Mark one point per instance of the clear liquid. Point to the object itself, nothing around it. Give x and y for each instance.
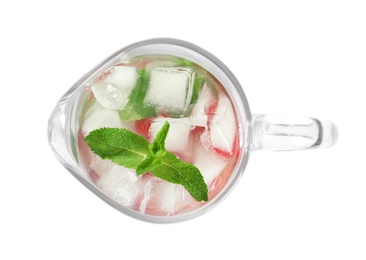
(204, 129)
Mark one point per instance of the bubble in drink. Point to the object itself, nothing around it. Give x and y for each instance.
(140, 95)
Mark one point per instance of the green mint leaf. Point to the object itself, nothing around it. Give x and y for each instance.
(133, 151)
(157, 150)
(176, 171)
(135, 108)
(147, 165)
(157, 147)
(196, 89)
(121, 146)
(184, 62)
(128, 113)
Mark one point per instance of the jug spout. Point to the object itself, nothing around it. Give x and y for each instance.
(60, 133)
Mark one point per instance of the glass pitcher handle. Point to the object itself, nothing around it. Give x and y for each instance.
(284, 133)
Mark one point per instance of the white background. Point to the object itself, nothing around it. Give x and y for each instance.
(292, 58)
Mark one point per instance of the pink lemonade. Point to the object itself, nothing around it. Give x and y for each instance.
(141, 95)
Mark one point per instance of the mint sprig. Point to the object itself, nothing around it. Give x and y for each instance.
(135, 108)
(133, 151)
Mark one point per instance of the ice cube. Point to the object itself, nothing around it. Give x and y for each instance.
(208, 162)
(97, 117)
(120, 184)
(201, 110)
(123, 77)
(101, 166)
(188, 202)
(171, 196)
(147, 188)
(170, 90)
(161, 197)
(163, 63)
(178, 138)
(222, 127)
(113, 91)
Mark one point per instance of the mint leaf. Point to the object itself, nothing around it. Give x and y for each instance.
(196, 89)
(133, 151)
(128, 113)
(121, 146)
(157, 148)
(148, 164)
(184, 62)
(176, 171)
(145, 165)
(135, 108)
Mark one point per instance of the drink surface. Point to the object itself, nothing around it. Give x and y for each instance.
(141, 95)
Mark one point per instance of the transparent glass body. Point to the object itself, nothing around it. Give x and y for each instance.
(255, 132)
